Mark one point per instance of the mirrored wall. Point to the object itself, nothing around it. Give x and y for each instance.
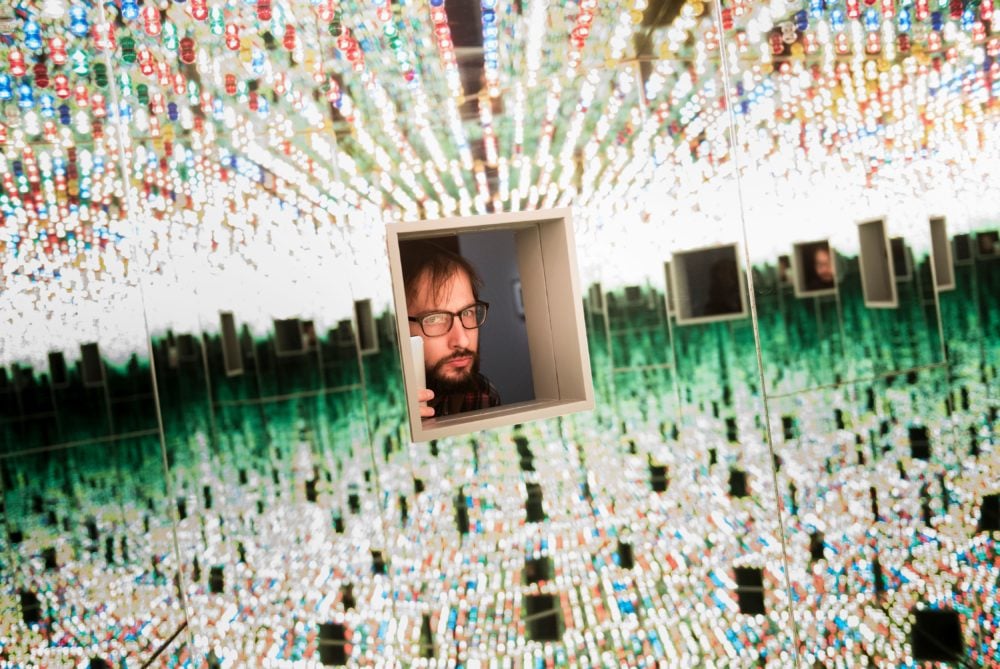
(786, 231)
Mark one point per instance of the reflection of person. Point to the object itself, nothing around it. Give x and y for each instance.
(784, 264)
(443, 307)
(309, 336)
(987, 243)
(818, 267)
(723, 289)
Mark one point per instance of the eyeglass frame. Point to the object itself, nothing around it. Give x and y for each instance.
(419, 318)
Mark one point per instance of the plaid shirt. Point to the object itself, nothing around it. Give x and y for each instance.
(485, 396)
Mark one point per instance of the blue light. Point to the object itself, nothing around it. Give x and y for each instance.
(903, 22)
(837, 19)
(78, 24)
(968, 18)
(130, 10)
(26, 97)
(801, 20)
(257, 62)
(873, 19)
(32, 35)
(46, 102)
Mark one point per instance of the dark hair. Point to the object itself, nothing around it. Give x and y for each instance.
(421, 257)
(811, 277)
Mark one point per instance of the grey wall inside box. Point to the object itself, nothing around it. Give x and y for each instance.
(694, 271)
(799, 261)
(668, 287)
(537, 316)
(503, 341)
(558, 269)
(876, 265)
(231, 355)
(944, 273)
(367, 336)
(901, 259)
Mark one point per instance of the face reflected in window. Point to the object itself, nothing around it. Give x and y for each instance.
(451, 355)
(817, 271)
(823, 265)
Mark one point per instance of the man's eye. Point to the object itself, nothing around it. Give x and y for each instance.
(468, 313)
(435, 319)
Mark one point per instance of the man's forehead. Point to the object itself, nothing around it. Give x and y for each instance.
(430, 295)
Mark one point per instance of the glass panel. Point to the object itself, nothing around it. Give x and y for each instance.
(87, 539)
(778, 471)
(843, 170)
(258, 370)
(526, 514)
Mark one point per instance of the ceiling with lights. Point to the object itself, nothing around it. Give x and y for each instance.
(204, 140)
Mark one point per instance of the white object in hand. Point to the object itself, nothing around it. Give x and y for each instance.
(417, 351)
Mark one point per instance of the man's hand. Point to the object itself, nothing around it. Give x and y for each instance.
(425, 395)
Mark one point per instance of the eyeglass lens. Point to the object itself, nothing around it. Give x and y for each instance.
(441, 322)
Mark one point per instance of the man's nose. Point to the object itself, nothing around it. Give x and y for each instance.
(459, 336)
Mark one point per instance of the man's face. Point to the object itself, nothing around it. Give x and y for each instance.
(823, 265)
(452, 359)
(986, 244)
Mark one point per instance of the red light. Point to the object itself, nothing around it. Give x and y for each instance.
(62, 85)
(41, 75)
(187, 50)
(57, 50)
(16, 60)
(97, 104)
(151, 20)
(727, 19)
(873, 45)
(843, 46)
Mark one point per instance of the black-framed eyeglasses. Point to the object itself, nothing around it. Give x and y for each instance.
(438, 323)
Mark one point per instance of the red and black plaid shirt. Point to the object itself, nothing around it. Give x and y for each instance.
(483, 397)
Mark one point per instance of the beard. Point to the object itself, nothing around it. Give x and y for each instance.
(464, 381)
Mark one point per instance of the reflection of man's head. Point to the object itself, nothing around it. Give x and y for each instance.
(987, 244)
(784, 263)
(442, 291)
(823, 265)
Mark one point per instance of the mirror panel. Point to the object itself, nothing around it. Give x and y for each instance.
(697, 432)
(204, 441)
(862, 398)
(88, 538)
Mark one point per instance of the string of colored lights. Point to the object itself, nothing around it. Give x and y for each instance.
(866, 83)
